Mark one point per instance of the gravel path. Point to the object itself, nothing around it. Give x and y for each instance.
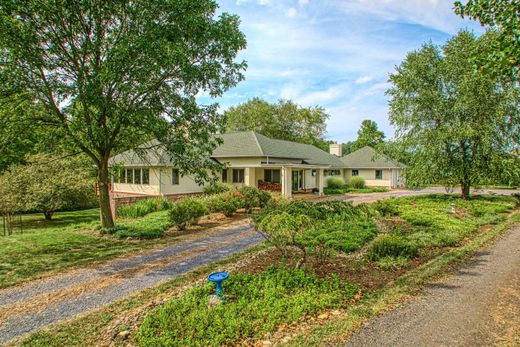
(478, 306)
(27, 308)
(396, 193)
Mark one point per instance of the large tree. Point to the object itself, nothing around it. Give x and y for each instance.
(113, 74)
(457, 124)
(368, 135)
(503, 16)
(284, 120)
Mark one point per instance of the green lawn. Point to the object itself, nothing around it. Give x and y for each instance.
(347, 190)
(71, 239)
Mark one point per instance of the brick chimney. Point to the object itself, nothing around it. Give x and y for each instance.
(336, 149)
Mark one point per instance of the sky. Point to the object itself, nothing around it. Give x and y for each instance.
(337, 54)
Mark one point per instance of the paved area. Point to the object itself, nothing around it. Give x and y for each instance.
(27, 308)
(478, 306)
(396, 193)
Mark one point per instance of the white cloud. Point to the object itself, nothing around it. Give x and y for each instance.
(303, 2)
(291, 12)
(378, 87)
(364, 79)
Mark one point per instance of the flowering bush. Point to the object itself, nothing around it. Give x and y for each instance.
(226, 203)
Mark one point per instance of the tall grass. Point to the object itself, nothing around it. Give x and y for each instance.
(144, 207)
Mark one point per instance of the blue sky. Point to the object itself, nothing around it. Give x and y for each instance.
(334, 53)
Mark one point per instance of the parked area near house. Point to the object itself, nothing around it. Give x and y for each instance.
(350, 253)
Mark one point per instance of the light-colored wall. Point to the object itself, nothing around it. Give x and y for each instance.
(186, 184)
(370, 177)
(144, 189)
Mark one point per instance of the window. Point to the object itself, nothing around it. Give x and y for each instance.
(238, 175)
(332, 172)
(313, 172)
(129, 176)
(272, 176)
(224, 176)
(137, 176)
(355, 172)
(145, 176)
(175, 176)
(379, 174)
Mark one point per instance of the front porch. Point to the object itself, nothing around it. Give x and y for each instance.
(288, 179)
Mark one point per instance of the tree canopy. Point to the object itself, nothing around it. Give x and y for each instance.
(457, 124)
(284, 120)
(504, 16)
(113, 74)
(368, 135)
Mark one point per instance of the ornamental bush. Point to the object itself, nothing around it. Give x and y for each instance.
(357, 182)
(186, 212)
(335, 183)
(254, 197)
(392, 246)
(226, 203)
(217, 188)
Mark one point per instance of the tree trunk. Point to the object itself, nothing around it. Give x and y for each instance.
(103, 180)
(48, 215)
(464, 186)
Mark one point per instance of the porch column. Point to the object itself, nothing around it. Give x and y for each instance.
(249, 177)
(286, 181)
(320, 174)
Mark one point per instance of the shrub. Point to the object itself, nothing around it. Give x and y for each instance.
(217, 188)
(226, 203)
(334, 191)
(150, 227)
(144, 207)
(357, 182)
(256, 304)
(254, 197)
(385, 207)
(392, 246)
(335, 182)
(186, 212)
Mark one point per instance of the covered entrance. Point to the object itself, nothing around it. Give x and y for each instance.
(297, 180)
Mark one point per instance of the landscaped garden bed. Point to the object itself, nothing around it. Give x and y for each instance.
(278, 288)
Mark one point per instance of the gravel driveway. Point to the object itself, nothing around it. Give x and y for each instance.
(27, 308)
(478, 306)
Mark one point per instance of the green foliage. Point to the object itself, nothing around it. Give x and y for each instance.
(503, 16)
(335, 182)
(217, 187)
(226, 203)
(368, 135)
(118, 87)
(151, 226)
(254, 197)
(320, 226)
(144, 207)
(392, 246)
(393, 263)
(256, 304)
(357, 182)
(462, 135)
(186, 212)
(284, 120)
(386, 207)
(46, 184)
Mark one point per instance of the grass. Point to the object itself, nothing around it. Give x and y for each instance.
(337, 330)
(144, 207)
(71, 240)
(442, 237)
(35, 221)
(256, 304)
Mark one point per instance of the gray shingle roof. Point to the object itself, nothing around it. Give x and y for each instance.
(368, 158)
(238, 144)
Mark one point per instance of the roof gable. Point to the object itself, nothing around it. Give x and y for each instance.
(368, 158)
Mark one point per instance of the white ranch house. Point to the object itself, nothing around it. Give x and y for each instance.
(252, 159)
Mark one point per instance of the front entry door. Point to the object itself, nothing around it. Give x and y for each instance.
(297, 180)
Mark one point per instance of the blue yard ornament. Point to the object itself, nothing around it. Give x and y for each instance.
(217, 278)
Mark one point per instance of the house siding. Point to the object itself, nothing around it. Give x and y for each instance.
(369, 176)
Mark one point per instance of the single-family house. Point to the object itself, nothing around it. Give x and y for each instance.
(249, 158)
(377, 169)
